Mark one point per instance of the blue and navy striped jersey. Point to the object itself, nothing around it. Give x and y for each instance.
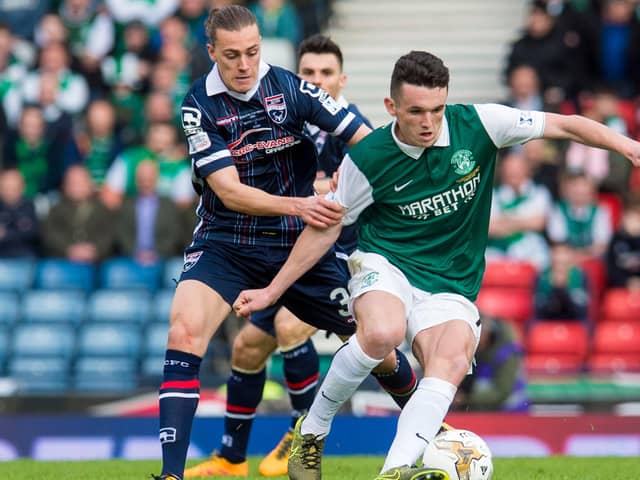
(261, 133)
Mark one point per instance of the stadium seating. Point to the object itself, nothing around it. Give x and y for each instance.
(616, 347)
(510, 274)
(43, 340)
(9, 308)
(119, 306)
(556, 347)
(596, 273)
(154, 345)
(172, 270)
(123, 272)
(59, 306)
(620, 304)
(4, 347)
(109, 340)
(40, 374)
(511, 304)
(58, 273)
(155, 339)
(104, 374)
(162, 305)
(549, 364)
(16, 273)
(151, 369)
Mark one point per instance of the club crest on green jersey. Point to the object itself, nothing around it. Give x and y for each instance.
(463, 161)
(370, 278)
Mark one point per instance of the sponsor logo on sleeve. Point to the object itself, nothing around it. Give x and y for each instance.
(191, 120)
(327, 102)
(525, 120)
(198, 142)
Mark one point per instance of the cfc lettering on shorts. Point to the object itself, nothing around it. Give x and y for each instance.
(442, 203)
(190, 259)
(167, 435)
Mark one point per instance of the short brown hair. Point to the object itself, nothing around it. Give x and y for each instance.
(320, 44)
(230, 17)
(421, 69)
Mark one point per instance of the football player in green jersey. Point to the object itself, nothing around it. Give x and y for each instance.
(420, 188)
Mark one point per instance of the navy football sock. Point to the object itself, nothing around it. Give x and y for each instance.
(244, 392)
(399, 383)
(179, 395)
(301, 374)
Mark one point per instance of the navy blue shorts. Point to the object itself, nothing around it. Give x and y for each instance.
(319, 297)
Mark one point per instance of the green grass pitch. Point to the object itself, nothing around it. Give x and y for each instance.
(335, 468)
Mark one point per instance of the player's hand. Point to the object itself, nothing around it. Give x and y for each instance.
(319, 212)
(252, 301)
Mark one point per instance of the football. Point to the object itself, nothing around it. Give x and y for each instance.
(460, 453)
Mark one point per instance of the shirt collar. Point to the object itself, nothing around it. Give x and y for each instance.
(215, 85)
(416, 152)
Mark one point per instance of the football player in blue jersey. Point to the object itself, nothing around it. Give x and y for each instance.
(321, 63)
(254, 169)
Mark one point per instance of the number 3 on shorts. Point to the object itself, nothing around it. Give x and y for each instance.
(342, 296)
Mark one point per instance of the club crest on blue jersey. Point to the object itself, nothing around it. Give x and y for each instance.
(276, 107)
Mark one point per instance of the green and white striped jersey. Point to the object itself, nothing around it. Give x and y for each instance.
(427, 210)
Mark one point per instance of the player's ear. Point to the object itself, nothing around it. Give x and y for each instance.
(390, 105)
(342, 81)
(211, 51)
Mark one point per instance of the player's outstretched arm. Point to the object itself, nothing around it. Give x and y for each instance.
(316, 211)
(583, 130)
(311, 245)
(360, 133)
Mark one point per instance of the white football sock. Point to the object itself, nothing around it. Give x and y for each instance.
(349, 367)
(420, 421)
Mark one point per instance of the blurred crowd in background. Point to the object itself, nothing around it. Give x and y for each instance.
(93, 163)
(89, 125)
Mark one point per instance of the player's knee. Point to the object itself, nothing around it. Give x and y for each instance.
(378, 342)
(247, 355)
(452, 366)
(290, 334)
(240, 347)
(184, 333)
